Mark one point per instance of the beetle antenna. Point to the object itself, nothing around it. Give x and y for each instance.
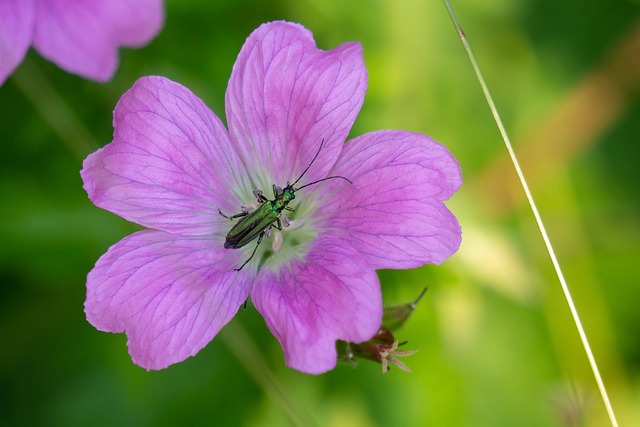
(312, 160)
(324, 179)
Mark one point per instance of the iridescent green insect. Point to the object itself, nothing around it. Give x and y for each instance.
(257, 224)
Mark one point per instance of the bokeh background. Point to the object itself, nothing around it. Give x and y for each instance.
(497, 343)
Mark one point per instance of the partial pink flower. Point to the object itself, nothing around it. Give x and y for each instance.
(80, 36)
(172, 166)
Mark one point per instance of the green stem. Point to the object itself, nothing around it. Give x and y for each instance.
(536, 214)
(250, 357)
(54, 109)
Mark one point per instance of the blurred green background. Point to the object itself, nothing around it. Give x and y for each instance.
(497, 343)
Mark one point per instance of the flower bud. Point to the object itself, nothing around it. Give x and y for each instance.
(383, 347)
(394, 317)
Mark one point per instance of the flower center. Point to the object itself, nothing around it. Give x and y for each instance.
(279, 247)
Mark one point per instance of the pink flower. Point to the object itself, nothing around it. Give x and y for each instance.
(80, 36)
(172, 165)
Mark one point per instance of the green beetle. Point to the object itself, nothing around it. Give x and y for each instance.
(257, 224)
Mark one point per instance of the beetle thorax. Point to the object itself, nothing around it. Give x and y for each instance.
(284, 198)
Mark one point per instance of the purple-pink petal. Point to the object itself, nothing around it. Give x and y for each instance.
(286, 96)
(309, 304)
(83, 36)
(170, 166)
(16, 30)
(393, 213)
(134, 22)
(171, 295)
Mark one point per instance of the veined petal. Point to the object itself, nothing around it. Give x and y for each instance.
(170, 295)
(393, 213)
(333, 294)
(83, 36)
(16, 32)
(384, 148)
(170, 166)
(286, 96)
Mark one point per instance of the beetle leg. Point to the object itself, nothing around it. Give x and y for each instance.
(240, 215)
(252, 253)
(289, 209)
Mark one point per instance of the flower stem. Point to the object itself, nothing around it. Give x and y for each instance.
(54, 109)
(249, 356)
(536, 214)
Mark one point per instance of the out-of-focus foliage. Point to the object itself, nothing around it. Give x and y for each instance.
(497, 344)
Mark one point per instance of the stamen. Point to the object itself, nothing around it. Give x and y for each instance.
(277, 240)
(294, 224)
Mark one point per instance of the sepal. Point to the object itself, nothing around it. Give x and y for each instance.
(383, 347)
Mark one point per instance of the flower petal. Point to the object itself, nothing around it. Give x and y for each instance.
(170, 165)
(333, 294)
(285, 97)
(83, 36)
(394, 212)
(135, 22)
(171, 295)
(16, 30)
